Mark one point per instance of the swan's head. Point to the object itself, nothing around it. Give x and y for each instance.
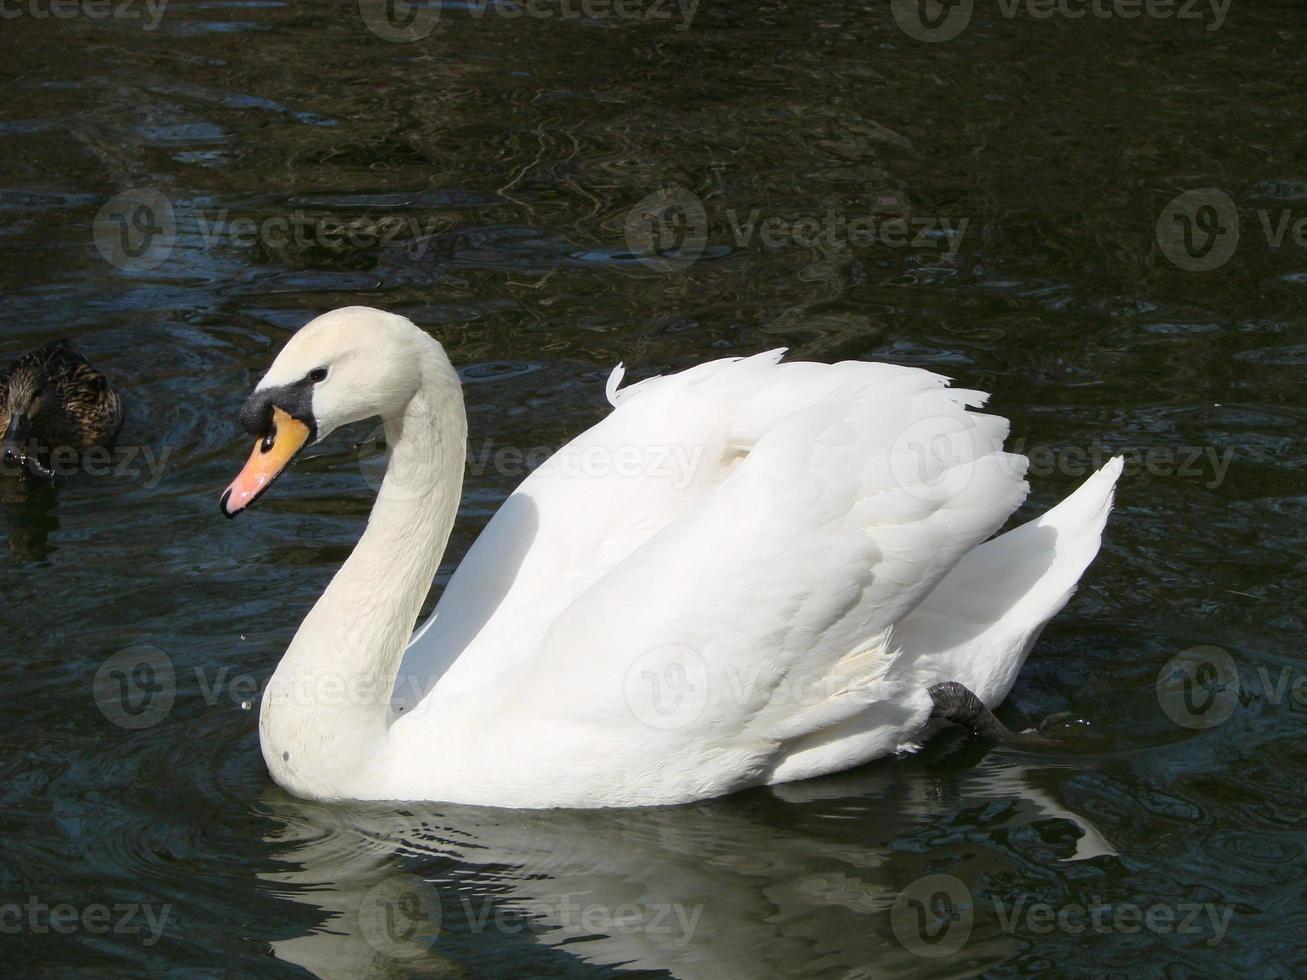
(345, 366)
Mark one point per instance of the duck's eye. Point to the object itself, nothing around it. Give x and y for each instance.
(318, 374)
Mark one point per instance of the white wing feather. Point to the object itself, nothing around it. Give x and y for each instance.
(778, 524)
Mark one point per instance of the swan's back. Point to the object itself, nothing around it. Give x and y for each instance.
(741, 539)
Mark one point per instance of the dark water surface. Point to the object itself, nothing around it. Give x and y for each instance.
(492, 172)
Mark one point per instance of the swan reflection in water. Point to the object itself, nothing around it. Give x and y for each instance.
(781, 882)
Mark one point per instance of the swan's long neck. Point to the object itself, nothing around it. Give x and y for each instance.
(324, 718)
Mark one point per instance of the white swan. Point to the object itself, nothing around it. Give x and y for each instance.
(748, 573)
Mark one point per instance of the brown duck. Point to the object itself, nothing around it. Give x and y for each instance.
(52, 400)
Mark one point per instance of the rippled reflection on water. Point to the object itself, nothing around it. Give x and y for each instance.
(489, 171)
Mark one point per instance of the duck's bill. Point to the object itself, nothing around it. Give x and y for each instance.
(14, 441)
(271, 455)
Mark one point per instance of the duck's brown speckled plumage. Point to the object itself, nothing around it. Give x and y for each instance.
(70, 403)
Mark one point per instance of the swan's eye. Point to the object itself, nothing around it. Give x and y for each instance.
(318, 374)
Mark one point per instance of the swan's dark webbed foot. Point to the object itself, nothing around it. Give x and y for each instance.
(957, 703)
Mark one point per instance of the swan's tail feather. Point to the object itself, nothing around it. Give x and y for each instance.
(975, 627)
(979, 623)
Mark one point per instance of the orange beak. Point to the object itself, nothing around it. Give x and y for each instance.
(271, 455)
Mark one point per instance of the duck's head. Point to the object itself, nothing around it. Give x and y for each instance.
(345, 366)
(27, 398)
